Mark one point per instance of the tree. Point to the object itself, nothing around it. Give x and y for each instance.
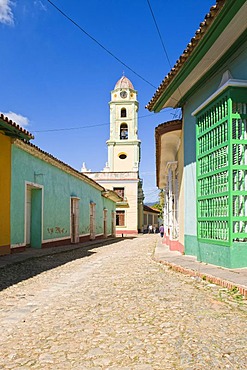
(160, 206)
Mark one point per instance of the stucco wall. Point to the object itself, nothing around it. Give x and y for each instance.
(58, 187)
(131, 211)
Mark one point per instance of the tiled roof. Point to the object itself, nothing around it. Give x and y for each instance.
(150, 209)
(124, 82)
(13, 127)
(204, 26)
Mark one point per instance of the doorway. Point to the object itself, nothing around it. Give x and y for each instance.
(105, 223)
(74, 213)
(92, 221)
(33, 216)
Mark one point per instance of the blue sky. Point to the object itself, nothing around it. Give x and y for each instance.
(54, 77)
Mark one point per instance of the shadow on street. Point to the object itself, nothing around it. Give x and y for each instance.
(17, 272)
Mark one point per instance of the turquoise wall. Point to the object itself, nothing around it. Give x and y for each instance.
(234, 256)
(58, 188)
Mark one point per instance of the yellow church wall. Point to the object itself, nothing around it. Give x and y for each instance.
(123, 164)
(5, 168)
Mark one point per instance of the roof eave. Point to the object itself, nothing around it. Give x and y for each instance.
(112, 195)
(169, 93)
(12, 129)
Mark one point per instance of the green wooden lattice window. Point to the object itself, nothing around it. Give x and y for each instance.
(222, 168)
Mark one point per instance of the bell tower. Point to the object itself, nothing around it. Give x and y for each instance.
(121, 173)
(123, 144)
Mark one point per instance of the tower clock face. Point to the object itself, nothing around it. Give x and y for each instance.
(123, 94)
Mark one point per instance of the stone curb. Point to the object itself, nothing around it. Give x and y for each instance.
(212, 279)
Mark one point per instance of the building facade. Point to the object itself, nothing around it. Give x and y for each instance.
(209, 83)
(150, 217)
(8, 132)
(121, 172)
(169, 178)
(45, 202)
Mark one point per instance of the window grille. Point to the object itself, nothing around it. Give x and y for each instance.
(123, 131)
(119, 191)
(222, 169)
(120, 218)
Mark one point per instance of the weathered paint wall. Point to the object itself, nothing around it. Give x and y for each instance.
(57, 189)
(5, 178)
(236, 64)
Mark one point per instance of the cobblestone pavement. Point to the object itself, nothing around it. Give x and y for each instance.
(115, 308)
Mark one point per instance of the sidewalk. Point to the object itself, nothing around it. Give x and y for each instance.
(228, 278)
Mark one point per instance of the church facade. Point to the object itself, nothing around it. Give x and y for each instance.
(121, 172)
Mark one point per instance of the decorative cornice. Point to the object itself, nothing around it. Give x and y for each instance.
(229, 83)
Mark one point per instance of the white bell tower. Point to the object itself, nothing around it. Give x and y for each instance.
(123, 145)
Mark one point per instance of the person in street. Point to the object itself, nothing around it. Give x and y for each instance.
(154, 229)
(150, 229)
(161, 230)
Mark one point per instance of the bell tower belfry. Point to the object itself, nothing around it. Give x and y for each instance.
(121, 173)
(123, 144)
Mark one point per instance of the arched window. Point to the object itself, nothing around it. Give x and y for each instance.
(123, 112)
(123, 131)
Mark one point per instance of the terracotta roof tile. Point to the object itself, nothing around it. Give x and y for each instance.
(199, 34)
(18, 129)
(150, 209)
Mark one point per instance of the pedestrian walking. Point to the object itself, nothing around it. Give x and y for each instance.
(161, 230)
(150, 229)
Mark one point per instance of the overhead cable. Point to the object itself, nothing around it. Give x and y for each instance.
(83, 127)
(163, 45)
(98, 43)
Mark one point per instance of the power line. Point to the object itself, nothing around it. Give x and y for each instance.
(163, 45)
(98, 43)
(72, 128)
(83, 127)
(164, 48)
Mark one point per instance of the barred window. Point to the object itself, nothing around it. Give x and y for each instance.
(120, 218)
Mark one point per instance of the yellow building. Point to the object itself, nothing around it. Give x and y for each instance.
(8, 132)
(121, 172)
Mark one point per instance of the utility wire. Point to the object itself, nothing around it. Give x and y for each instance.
(82, 127)
(72, 128)
(99, 44)
(163, 45)
(157, 28)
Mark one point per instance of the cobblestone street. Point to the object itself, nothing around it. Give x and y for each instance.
(115, 308)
